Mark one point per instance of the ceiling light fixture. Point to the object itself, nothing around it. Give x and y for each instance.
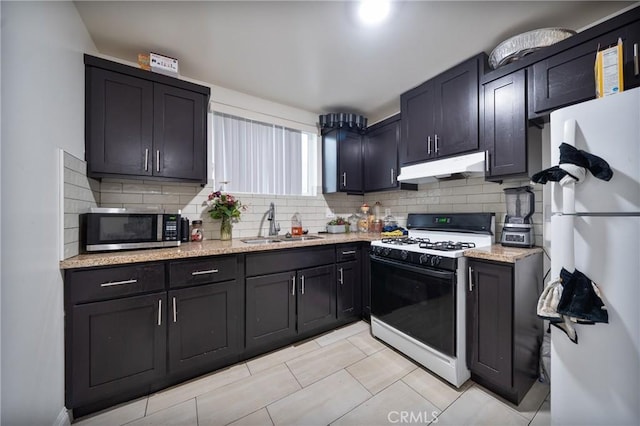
(373, 11)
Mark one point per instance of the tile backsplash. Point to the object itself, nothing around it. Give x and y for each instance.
(80, 194)
(457, 196)
(191, 200)
(463, 195)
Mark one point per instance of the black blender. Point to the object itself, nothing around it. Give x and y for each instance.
(518, 226)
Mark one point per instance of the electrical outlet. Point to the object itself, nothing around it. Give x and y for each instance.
(330, 214)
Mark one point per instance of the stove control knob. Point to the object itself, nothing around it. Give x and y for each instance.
(424, 258)
(435, 260)
(377, 250)
(386, 251)
(404, 254)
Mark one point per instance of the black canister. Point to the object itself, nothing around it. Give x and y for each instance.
(185, 235)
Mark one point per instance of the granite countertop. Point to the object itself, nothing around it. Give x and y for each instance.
(205, 248)
(501, 253)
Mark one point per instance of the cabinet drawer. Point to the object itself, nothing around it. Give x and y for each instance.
(202, 271)
(85, 285)
(287, 260)
(347, 252)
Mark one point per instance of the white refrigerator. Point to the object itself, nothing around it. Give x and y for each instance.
(595, 228)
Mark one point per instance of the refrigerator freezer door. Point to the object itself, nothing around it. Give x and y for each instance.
(597, 381)
(609, 128)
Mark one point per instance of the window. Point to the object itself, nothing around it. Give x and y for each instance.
(263, 158)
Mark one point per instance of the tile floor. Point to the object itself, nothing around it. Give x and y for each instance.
(344, 377)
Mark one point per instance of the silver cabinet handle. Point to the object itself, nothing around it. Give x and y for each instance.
(157, 160)
(175, 312)
(146, 160)
(392, 177)
(344, 253)
(344, 179)
(429, 145)
(341, 279)
(302, 281)
(470, 278)
(487, 165)
(293, 285)
(112, 283)
(209, 271)
(436, 144)
(160, 312)
(636, 67)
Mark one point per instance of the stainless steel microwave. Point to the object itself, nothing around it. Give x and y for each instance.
(105, 229)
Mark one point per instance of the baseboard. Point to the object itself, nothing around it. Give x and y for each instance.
(63, 418)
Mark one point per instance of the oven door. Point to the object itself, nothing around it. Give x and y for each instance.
(418, 301)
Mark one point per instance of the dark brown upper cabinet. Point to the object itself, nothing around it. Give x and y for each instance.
(342, 161)
(440, 117)
(512, 146)
(568, 77)
(381, 155)
(139, 124)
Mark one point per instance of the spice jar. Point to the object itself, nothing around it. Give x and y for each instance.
(196, 231)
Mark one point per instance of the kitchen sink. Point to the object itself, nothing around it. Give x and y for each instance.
(282, 239)
(261, 241)
(302, 238)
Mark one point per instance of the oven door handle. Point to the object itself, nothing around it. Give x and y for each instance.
(416, 269)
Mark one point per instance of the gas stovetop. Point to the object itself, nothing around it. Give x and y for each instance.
(433, 238)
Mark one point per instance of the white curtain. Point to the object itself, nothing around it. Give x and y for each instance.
(262, 158)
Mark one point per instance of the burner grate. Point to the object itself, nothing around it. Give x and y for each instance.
(447, 245)
(405, 241)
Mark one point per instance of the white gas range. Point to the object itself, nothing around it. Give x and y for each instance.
(418, 286)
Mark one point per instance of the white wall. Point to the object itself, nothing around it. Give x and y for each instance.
(42, 111)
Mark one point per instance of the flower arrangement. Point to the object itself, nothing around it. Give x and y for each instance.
(224, 206)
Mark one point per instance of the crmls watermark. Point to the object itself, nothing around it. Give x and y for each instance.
(412, 417)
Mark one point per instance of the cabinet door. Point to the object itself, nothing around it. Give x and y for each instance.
(504, 125)
(316, 297)
(350, 162)
(490, 322)
(202, 325)
(366, 281)
(568, 77)
(179, 133)
(381, 157)
(270, 308)
(632, 56)
(117, 346)
(349, 289)
(456, 114)
(119, 123)
(416, 139)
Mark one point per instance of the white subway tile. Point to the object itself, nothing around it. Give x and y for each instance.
(110, 187)
(114, 198)
(156, 199)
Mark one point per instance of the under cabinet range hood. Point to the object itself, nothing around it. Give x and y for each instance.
(448, 168)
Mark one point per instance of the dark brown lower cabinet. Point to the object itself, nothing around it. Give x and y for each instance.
(349, 295)
(316, 298)
(366, 282)
(117, 346)
(271, 309)
(202, 325)
(503, 332)
(281, 306)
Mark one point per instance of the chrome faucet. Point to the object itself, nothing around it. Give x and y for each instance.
(271, 217)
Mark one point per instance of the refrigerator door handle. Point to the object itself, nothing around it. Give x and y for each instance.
(569, 189)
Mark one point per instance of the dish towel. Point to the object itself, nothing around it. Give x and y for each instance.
(572, 298)
(573, 167)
